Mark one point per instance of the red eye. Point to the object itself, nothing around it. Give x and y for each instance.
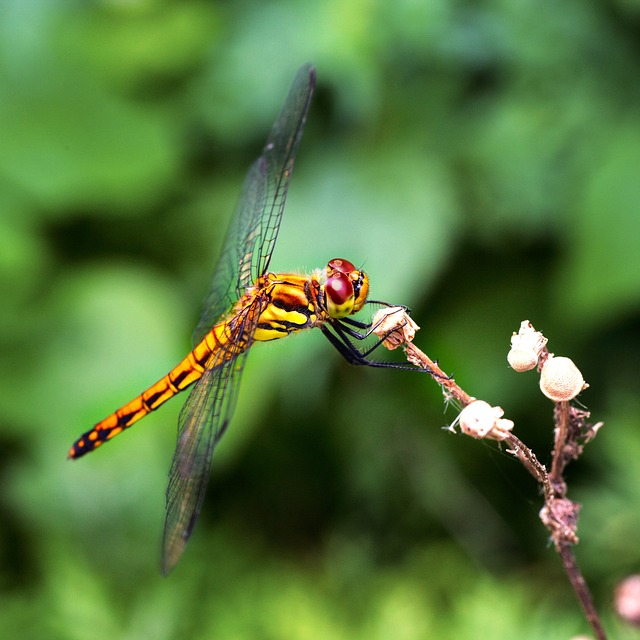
(339, 288)
(341, 265)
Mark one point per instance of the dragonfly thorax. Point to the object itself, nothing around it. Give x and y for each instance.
(346, 288)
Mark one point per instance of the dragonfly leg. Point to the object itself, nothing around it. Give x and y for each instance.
(340, 340)
(369, 328)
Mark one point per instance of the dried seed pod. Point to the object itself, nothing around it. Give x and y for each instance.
(526, 347)
(395, 326)
(480, 420)
(560, 379)
(522, 359)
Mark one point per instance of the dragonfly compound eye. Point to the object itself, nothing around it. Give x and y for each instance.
(341, 265)
(339, 295)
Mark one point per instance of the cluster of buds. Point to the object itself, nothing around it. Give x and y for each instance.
(560, 379)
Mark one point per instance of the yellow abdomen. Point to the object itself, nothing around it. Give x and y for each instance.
(285, 303)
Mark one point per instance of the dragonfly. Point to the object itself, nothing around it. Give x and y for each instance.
(246, 304)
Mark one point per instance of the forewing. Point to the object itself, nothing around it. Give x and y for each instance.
(279, 155)
(254, 227)
(203, 420)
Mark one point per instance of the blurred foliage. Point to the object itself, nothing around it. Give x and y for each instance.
(480, 158)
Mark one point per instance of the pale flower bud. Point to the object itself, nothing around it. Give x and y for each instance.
(560, 379)
(526, 347)
(480, 420)
(522, 360)
(627, 600)
(394, 325)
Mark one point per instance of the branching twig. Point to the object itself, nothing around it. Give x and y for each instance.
(560, 381)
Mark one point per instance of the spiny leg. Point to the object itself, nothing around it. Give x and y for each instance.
(341, 328)
(353, 355)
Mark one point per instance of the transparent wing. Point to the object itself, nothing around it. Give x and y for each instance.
(246, 253)
(254, 227)
(203, 420)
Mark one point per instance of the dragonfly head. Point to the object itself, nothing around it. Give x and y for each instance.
(346, 288)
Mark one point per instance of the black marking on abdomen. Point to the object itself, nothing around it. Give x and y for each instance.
(177, 381)
(151, 400)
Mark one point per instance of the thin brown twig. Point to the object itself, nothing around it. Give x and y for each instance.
(559, 461)
(581, 589)
(530, 462)
(559, 514)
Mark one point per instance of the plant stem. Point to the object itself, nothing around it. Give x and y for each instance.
(558, 514)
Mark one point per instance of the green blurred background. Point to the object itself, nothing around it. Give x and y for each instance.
(481, 159)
